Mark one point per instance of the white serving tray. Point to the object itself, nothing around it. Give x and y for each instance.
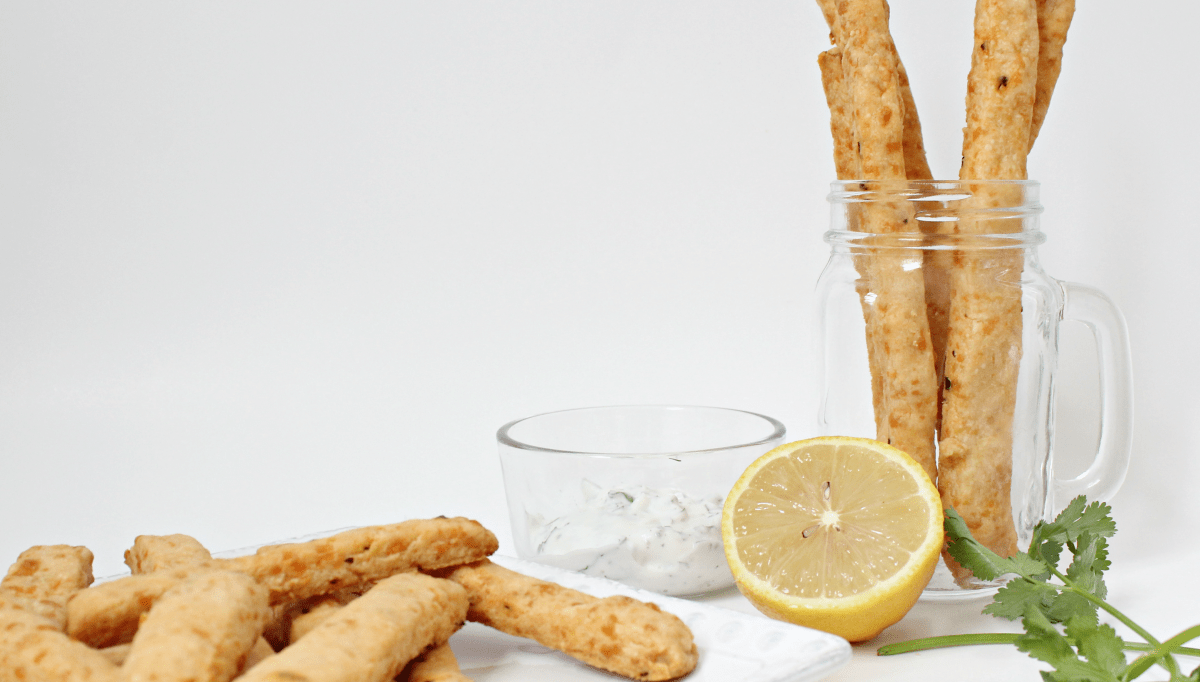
(734, 646)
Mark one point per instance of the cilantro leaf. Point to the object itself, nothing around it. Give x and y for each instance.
(1080, 518)
(1069, 605)
(1099, 644)
(1086, 571)
(983, 562)
(1044, 642)
(1047, 543)
(1014, 599)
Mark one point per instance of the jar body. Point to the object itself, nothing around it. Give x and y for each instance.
(937, 331)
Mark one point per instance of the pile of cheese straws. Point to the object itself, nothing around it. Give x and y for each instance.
(366, 605)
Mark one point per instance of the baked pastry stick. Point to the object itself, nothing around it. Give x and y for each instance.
(44, 578)
(372, 638)
(151, 553)
(299, 618)
(209, 622)
(617, 634)
(1054, 18)
(936, 267)
(436, 665)
(108, 614)
(33, 648)
(916, 167)
(846, 165)
(983, 348)
(898, 325)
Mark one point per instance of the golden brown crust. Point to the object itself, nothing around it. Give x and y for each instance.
(983, 344)
(291, 621)
(900, 351)
(1054, 18)
(845, 161)
(203, 628)
(151, 553)
(116, 653)
(983, 355)
(436, 665)
(841, 125)
(372, 638)
(260, 652)
(899, 420)
(869, 67)
(44, 578)
(52, 611)
(617, 634)
(1001, 88)
(108, 614)
(909, 378)
(298, 571)
(33, 649)
(310, 613)
(916, 164)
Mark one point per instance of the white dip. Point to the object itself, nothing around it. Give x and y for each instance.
(658, 540)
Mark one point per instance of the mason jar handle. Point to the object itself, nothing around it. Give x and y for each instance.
(1104, 477)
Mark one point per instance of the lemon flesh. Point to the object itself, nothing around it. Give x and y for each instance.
(838, 534)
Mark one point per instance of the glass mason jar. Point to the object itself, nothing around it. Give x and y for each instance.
(937, 332)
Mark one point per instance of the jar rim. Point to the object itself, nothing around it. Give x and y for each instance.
(1020, 195)
(936, 214)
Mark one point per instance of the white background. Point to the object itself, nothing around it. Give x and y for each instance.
(270, 268)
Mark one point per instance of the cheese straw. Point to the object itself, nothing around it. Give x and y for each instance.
(372, 638)
(936, 264)
(617, 634)
(209, 622)
(436, 665)
(108, 614)
(845, 162)
(34, 648)
(1054, 18)
(916, 165)
(44, 578)
(151, 553)
(983, 346)
(898, 340)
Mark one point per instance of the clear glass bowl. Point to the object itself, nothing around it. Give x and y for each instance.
(630, 493)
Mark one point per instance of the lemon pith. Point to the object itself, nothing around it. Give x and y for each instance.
(840, 534)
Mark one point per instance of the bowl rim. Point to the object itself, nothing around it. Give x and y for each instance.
(778, 431)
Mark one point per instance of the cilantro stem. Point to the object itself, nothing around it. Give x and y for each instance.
(946, 641)
(1164, 650)
(1185, 636)
(1165, 659)
(1183, 650)
(1116, 614)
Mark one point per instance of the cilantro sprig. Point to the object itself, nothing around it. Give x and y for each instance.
(1060, 610)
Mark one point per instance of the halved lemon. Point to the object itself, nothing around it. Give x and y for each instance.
(836, 534)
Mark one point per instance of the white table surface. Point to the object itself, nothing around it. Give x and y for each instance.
(270, 268)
